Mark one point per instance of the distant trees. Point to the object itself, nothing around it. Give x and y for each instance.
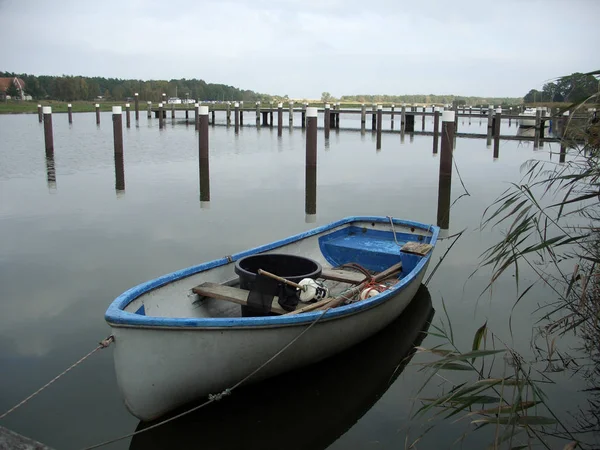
(71, 88)
(326, 96)
(431, 98)
(572, 88)
(13, 91)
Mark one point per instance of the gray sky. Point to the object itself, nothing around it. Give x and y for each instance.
(304, 47)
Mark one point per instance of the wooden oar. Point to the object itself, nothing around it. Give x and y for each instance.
(283, 280)
(332, 302)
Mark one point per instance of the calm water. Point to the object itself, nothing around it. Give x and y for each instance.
(71, 242)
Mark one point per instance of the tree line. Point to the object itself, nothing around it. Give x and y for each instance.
(432, 98)
(71, 88)
(571, 88)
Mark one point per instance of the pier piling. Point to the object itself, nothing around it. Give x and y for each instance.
(149, 110)
(48, 133)
(127, 115)
(40, 114)
(379, 122)
(236, 117)
(97, 114)
(70, 112)
(374, 117)
(203, 156)
(445, 176)
(137, 106)
(363, 118)
(327, 120)
(279, 119)
(436, 125)
(117, 129)
(497, 123)
(160, 116)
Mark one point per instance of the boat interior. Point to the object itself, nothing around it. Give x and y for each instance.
(356, 260)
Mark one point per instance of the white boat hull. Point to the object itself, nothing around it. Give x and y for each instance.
(158, 370)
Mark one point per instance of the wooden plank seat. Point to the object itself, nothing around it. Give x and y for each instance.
(232, 294)
(345, 276)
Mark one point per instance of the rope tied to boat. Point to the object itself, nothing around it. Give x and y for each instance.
(219, 396)
(101, 345)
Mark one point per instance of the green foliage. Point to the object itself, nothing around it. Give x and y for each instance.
(431, 98)
(72, 88)
(13, 91)
(571, 88)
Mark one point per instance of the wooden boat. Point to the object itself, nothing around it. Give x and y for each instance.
(184, 335)
(324, 399)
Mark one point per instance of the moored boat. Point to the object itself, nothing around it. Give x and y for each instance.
(184, 335)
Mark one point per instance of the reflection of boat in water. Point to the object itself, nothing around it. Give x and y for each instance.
(526, 132)
(306, 408)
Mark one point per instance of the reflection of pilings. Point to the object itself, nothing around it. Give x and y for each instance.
(563, 151)
(279, 119)
(445, 177)
(51, 172)
(379, 122)
(310, 206)
(203, 155)
(119, 172)
(48, 133)
(497, 122)
(436, 126)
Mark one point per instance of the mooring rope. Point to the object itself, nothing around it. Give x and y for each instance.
(103, 344)
(213, 397)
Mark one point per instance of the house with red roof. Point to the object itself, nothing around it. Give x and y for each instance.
(5, 83)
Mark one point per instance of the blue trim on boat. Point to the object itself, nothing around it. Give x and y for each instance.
(141, 310)
(115, 314)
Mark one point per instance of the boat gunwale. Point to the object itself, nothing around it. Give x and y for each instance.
(116, 315)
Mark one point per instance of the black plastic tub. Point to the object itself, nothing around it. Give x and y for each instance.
(291, 267)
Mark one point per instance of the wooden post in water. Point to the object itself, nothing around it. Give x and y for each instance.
(423, 120)
(497, 120)
(161, 119)
(149, 110)
(228, 114)
(509, 116)
(241, 114)
(70, 112)
(127, 115)
(40, 114)
(118, 129)
(48, 136)
(538, 117)
(236, 117)
(392, 118)
(303, 120)
(137, 106)
(203, 156)
(279, 119)
(490, 116)
(379, 123)
(291, 114)
(445, 177)
(257, 114)
(456, 120)
(374, 117)
(436, 125)
(271, 114)
(172, 111)
(403, 117)
(310, 206)
(563, 150)
(363, 118)
(196, 117)
(97, 114)
(326, 120)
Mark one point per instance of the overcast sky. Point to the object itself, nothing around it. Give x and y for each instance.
(304, 47)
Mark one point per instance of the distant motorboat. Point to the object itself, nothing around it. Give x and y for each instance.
(527, 117)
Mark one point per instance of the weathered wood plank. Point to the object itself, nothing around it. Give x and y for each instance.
(345, 276)
(231, 294)
(417, 248)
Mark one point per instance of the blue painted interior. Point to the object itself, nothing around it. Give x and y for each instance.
(141, 310)
(116, 314)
